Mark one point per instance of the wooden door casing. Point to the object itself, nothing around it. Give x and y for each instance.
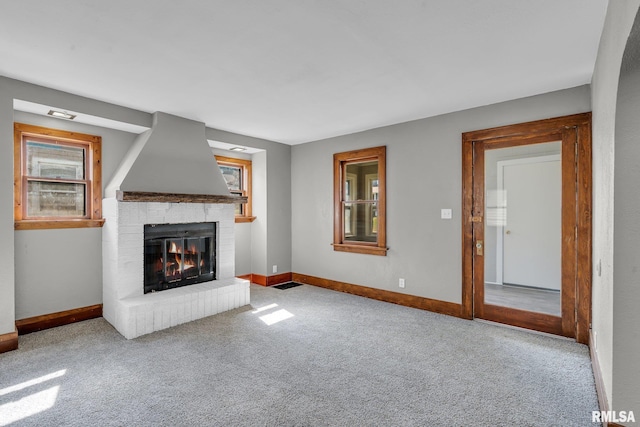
(575, 133)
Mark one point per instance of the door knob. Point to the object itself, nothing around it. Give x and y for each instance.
(479, 247)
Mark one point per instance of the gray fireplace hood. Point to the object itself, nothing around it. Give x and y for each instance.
(171, 157)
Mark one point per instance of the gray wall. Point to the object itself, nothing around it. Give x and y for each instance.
(279, 209)
(424, 168)
(260, 211)
(7, 268)
(243, 248)
(604, 89)
(58, 270)
(626, 266)
(271, 231)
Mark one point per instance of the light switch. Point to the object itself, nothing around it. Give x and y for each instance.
(445, 213)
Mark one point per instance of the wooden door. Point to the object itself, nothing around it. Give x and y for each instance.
(486, 215)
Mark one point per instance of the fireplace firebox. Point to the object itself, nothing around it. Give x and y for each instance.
(178, 255)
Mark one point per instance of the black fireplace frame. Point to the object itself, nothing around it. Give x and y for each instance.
(158, 234)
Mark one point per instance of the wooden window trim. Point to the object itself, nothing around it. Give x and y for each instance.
(245, 165)
(93, 164)
(339, 161)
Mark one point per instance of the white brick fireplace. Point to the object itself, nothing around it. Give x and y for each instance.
(168, 176)
(125, 305)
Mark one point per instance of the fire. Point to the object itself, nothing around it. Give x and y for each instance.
(189, 261)
(174, 248)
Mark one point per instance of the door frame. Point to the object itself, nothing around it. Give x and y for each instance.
(575, 133)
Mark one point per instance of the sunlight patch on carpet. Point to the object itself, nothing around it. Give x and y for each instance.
(32, 382)
(276, 316)
(28, 406)
(17, 409)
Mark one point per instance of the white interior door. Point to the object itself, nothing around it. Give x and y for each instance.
(531, 234)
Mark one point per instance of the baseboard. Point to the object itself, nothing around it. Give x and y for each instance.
(279, 278)
(436, 306)
(261, 280)
(245, 277)
(9, 342)
(597, 375)
(46, 321)
(258, 279)
(603, 401)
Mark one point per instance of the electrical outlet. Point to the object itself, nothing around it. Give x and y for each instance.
(445, 213)
(275, 269)
(401, 283)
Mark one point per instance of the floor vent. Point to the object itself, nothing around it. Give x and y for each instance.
(287, 285)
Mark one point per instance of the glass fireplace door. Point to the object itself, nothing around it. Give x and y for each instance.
(178, 255)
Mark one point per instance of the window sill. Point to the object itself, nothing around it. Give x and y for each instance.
(360, 249)
(36, 224)
(245, 219)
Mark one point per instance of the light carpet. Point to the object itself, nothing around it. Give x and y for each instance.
(305, 356)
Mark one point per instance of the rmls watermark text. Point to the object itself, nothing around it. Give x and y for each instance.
(613, 417)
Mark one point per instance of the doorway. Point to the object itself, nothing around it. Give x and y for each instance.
(527, 225)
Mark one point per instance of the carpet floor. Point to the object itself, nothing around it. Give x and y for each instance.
(306, 356)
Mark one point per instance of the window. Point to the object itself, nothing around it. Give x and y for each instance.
(359, 217)
(237, 174)
(57, 178)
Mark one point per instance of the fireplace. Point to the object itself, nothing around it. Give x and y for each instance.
(138, 231)
(162, 233)
(178, 255)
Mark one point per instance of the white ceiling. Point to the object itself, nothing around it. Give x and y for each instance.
(301, 70)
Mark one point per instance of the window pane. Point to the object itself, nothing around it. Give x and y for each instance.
(361, 222)
(54, 161)
(46, 199)
(233, 176)
(360, 180)
(239, 206)
(359, 201)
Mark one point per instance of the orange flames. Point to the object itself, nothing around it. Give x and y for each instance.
(190, 257)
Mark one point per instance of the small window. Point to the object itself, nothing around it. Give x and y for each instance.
(360, 201)
(57, 178)
(237, 174)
